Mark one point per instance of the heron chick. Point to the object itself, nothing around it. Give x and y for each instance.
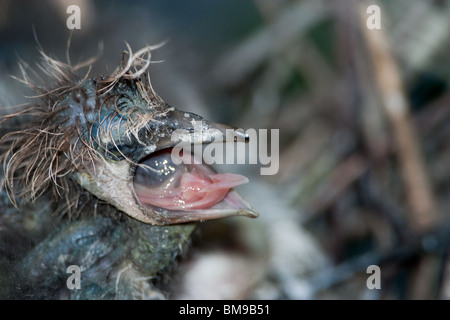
(88, 179)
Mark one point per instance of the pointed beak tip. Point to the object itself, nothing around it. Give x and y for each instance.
(250, 213)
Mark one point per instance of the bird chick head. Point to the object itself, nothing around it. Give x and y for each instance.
(112, 137)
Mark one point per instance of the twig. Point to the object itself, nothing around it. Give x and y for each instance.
(422, 214)
(293, 20)
(343, 176)
(387, 76)
(435, 241)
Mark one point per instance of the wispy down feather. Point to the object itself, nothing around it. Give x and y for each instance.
(57, 133)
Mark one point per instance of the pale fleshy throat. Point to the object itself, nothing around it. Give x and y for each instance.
(159, 182)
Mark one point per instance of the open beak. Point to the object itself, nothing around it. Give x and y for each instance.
(175, 187)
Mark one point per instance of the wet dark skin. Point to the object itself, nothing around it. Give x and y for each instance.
(120, 257)
(68, 195)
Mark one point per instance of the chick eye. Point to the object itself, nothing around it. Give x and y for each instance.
(158, 169)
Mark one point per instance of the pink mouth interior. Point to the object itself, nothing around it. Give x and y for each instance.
(189, 187)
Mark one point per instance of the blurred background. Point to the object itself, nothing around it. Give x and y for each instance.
(364, 132)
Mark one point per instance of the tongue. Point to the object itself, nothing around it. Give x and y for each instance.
(193, 192)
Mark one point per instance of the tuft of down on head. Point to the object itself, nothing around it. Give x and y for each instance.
(62, 133)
